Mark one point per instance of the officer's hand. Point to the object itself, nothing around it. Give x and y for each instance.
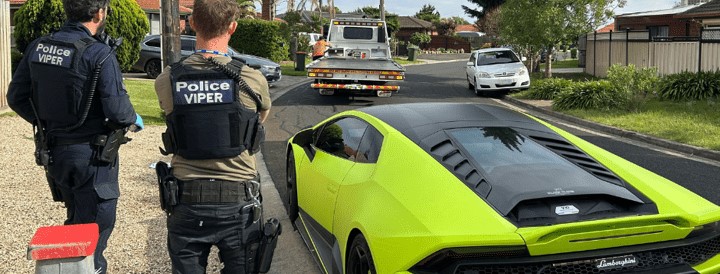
(139, 125)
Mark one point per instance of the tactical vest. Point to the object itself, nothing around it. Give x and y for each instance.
(208, 120)
(58, 86)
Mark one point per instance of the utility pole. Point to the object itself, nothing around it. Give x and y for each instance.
(382, 10)
(170, 20)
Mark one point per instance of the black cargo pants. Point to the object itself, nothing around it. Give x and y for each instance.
(194, 228)
(89, 190)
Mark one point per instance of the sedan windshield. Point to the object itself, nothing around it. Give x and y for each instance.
(496, 57)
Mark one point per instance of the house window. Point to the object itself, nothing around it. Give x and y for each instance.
(662, 31)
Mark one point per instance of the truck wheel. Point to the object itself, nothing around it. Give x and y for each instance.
(326, 92)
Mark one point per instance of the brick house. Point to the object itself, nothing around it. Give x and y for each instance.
(707, 15)
(660, 23)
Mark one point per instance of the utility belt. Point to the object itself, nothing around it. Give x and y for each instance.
(260, 245)
(107, 146)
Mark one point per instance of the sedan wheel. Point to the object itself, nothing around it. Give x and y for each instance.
(359, 260)
(475, 88)
(293, 208)
(153, 68)
(470, 84)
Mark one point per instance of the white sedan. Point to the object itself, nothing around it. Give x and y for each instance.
(495, 70)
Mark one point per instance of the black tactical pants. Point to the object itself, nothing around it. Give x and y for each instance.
(89, 191)
(194, 228)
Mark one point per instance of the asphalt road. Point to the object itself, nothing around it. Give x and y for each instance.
(301, 107)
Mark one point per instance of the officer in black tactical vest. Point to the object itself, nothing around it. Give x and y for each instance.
(69, 86)
(214, 108)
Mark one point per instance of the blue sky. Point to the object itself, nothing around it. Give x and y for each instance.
(449, 8)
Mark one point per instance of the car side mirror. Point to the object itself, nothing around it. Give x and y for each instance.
(304, 139)
(523, 59)
(469, 64)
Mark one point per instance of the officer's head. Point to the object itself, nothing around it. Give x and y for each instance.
(214, 18)
(86, 10)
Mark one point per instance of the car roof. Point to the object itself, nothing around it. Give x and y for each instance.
(419, 120)
(491, 50)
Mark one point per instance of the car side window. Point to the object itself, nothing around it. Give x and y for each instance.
(153, 43)
(370, 146)
(472, 58)
(342, 137)
(188, 45)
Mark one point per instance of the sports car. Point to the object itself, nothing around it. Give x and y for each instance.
(475, 188)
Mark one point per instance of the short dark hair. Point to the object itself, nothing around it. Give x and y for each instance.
(83, 10)
(212, 17)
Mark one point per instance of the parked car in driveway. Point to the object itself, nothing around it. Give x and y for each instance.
(495, 70)
(149, 61)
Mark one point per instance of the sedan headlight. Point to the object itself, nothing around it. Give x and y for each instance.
(483, 75)
(522, 71)
(267, 69)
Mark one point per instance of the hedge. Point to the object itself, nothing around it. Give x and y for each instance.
(261, 38)
(40, 17)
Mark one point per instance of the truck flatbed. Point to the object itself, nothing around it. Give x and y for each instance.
(353, 64)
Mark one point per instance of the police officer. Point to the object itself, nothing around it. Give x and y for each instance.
(53, 89)
(214, 106)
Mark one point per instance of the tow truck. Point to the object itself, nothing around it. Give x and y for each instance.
(358, 60)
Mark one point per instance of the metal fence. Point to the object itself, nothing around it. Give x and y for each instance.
(669, 54)
(4, 51)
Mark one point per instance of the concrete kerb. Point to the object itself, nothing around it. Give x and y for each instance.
(679, 147)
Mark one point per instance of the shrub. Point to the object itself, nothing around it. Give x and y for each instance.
(634, 83)
(547, 89)
(589, 95)
(690, 86)
(40, 17)
(420, 38)
(15, 57)
(261, 38)
(573, 53)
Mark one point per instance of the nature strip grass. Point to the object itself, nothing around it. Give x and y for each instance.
(696, 123)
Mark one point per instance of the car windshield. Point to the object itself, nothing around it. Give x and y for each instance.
(496, 57)
(502, 151)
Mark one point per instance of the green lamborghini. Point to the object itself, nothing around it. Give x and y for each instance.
(474, 188)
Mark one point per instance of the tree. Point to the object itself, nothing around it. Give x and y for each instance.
(460, 21)
(247, 9)
(485, 7)
(536, 25)
(445, 26)
(428, 13)
(487, 15)
(393, 24)
(326, 8)
(41, 17)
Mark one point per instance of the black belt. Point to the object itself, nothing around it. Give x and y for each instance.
(205, 191)
(69, 141)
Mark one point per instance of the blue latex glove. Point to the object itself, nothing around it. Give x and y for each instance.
(139, 125)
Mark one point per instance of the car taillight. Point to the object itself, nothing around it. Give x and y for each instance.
(445, 257)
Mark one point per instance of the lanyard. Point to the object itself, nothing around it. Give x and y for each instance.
(211, 52)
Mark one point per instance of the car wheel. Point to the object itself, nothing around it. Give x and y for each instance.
(470, 85)
(359, 260)
(293, 208)
(477, 91)
(153, 68)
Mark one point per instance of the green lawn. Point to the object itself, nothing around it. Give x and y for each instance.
(404, 61)
(143, 98)
(695, 123)
(570, 63)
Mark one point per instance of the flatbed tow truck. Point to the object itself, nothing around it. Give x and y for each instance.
(358, 61)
